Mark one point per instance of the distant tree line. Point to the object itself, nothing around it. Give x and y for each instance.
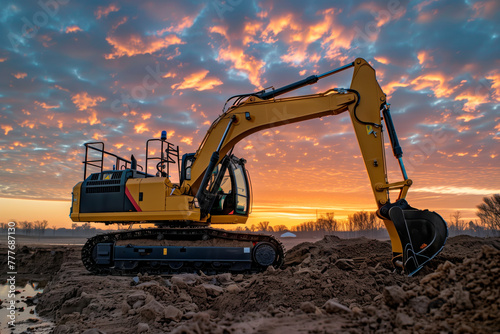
(488, 214)
(40, 228)
(37, 227)
(358, 221)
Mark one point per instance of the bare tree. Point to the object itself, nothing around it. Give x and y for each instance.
(363, 220)
(489, 211)
(280, 228)
(264, 226)
(43, 225)
(29, 227)
(456, 216)
(475, 227)
(327, 223)
(40, 226)
(455, 222)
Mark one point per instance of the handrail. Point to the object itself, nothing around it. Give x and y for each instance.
(101, 160)
(171, 151)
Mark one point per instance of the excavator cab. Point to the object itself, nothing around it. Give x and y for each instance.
(228, 191)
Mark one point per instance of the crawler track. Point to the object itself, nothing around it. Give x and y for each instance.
(191, 236)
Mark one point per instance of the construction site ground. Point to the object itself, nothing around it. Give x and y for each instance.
(332, 285)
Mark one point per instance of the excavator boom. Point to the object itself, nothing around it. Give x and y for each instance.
(213, 186)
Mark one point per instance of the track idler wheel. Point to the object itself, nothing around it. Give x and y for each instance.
(422, 234)
(264, 254)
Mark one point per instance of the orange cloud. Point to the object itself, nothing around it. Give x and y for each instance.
(277, 25)
(20, 75)
(16, 143)
(198, 81)
(456, 190)
(2, 60)
(97, 136)
(382, 60)
(73, 28)
(475, 97)
(250, 31)
(219, 30)
(135, 44)
(315, 32)
(485, 8)
(83, 100)
(169, 75)
(104, 11)
(334, 37)
(438, 82)
(140, 128)
(245, 63)
(423, 4)
(185, 23)
(187, 140)
(46, 106)
(93, 118)
(390, 87)
(27, 123)
(424, 58)
(426, 17)
(7, 129)
(473, 100)
(295, 56)
(119, 23)
(494, 76)
(468, 117)
(61, 88)
(241, 60)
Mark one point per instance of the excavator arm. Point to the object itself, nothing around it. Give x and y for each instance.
(364, 101)
(416, 236)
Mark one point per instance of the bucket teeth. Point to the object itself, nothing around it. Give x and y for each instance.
(422, 234)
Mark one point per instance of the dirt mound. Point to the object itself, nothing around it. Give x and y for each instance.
(331, 286)
(462, 298)
(361, 249)
(37, 263)
(317, 272)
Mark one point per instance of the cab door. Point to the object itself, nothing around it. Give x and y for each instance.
(242, 186)
(233, 202)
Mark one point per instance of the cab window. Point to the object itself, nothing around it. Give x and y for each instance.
(241, 190)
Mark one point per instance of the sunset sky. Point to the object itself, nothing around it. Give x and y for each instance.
(121, 72)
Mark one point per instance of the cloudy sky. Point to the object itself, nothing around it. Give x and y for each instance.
(121, 72)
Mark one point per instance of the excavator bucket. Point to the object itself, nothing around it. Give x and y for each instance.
(422, 234)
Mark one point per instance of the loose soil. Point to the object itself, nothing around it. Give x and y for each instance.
(330, 286)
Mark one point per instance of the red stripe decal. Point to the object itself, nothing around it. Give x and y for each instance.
(132, 200)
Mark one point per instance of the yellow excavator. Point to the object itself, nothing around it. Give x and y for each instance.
(214, 188)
